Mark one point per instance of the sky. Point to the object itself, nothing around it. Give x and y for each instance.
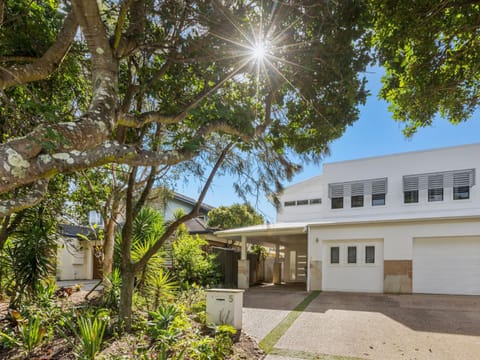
(374, 134)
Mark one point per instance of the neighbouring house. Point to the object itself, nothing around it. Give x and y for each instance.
(78, 253)
(401, 223)
(80, 259)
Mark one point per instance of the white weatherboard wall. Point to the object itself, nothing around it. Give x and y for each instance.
(74, 260)
(446, 265)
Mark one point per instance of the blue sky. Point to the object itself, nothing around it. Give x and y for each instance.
(375, 133)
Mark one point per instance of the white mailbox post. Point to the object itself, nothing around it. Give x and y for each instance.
(224, 306)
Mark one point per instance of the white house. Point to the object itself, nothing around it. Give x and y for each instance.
(399, 223)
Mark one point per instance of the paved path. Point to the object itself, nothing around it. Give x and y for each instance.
(363, 326)
(86, 285)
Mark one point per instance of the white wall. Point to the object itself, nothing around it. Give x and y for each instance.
(74, 260)
(397, 237)
(394, 167)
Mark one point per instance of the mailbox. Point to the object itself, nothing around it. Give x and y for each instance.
(224, 306)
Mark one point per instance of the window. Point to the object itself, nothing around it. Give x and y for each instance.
(410, 189)
(379, 190)
(302, 202)
(410, 197)
(435, 187)
(352, 255)
(334, 255)
(335, 192)
(315, 201)
(289, 203)
(337, 203)
(461, 185)
(369, 254)
(378, 199)
(357, 194)
(357, 201)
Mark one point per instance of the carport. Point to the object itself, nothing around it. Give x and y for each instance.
(289, 238)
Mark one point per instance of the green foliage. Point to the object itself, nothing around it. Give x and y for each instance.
(160, 287)
(193, 265)
(234, 216)
(260, 251)
(29, 335)
(89, 330)
(111, 291)
(31, 254)
(431, 57)
(162, 319)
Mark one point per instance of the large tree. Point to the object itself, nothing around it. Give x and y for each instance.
(275, 78)
(230, 86)
(234, 216)
(431, 53)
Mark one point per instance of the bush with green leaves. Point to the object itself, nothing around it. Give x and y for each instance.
(191, 263)
(29, 334)
(111, 291)
(88, 329)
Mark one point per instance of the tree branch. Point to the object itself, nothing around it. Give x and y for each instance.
(47, 64)
(36, 194)
(193, 213)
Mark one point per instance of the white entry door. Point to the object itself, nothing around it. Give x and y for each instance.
(353, 266)
(446, 265)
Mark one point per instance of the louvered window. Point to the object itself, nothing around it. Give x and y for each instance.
(410, 189)
(435, 187)
(461, 185)
(357, 191)
(379, 191)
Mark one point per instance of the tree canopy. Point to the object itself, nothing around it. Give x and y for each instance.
(431, 54)
(159, 82)
(234, 216)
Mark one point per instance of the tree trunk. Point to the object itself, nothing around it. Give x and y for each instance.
(126, 297)
(108, 248)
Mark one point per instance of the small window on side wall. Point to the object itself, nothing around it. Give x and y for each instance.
(352, 254)
(378, 199)
(334, 255)
(357, 201)
(410, 197)
(369, 254)
(461, 193)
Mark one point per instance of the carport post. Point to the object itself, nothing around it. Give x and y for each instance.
(243, 266)
(277, 266)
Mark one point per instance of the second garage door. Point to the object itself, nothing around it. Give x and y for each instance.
(353, 265)
(446, 265)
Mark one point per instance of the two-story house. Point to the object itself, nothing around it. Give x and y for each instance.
(399, 223)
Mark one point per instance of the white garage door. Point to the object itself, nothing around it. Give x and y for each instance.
(353, 266)
(446, 265)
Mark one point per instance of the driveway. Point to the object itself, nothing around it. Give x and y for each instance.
(366, 326)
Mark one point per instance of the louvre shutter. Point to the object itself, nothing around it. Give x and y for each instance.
(357, 189)
(464, 178)
(335, 190)
(410, 183)
(379, 186)
(435, 181)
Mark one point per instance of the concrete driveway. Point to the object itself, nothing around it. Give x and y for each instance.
(365, 326)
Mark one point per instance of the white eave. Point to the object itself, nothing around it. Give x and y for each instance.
(293, 228)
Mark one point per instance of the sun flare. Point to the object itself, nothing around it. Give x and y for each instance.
(259, 51)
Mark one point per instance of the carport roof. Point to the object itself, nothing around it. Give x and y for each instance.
(265, 230)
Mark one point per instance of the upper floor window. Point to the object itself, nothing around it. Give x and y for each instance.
(357, 190)
(379, 191)
(460, 181)
(336, 195)
(435, 187)
(461, 185)
(410, 189)
(369, 254)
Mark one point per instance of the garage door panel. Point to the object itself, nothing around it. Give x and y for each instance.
(446, 266)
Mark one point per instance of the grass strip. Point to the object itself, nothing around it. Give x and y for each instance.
(269, 341)
(309, 355)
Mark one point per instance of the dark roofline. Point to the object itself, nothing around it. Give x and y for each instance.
(191, 201)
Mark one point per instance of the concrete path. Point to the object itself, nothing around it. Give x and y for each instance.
(366, 326)
(86, 285)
